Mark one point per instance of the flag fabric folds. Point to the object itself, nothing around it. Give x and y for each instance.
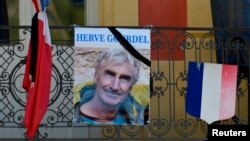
(38, 71)
(211, 91)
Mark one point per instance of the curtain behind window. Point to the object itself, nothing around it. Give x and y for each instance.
(4, 33)
(232, 14)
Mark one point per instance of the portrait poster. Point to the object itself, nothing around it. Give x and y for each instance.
(111, 84)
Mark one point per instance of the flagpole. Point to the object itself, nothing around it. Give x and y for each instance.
(36, 138)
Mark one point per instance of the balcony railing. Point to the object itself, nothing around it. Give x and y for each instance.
(171, 50)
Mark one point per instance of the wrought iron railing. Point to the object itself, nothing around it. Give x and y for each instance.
(171, 48)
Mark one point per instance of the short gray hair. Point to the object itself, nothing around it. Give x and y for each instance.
(119, 56)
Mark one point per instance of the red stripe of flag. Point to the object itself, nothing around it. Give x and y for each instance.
(228, 91)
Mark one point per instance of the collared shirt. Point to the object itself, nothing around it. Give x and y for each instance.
(130, 112)
(119, 119)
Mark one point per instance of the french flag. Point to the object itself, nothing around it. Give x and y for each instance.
(38, 70)
(211, 91)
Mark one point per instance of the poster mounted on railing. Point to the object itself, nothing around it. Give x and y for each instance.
(111, 76)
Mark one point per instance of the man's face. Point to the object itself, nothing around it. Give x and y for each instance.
(113, 82)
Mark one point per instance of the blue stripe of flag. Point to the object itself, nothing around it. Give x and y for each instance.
(194, 88)
(44, 4)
